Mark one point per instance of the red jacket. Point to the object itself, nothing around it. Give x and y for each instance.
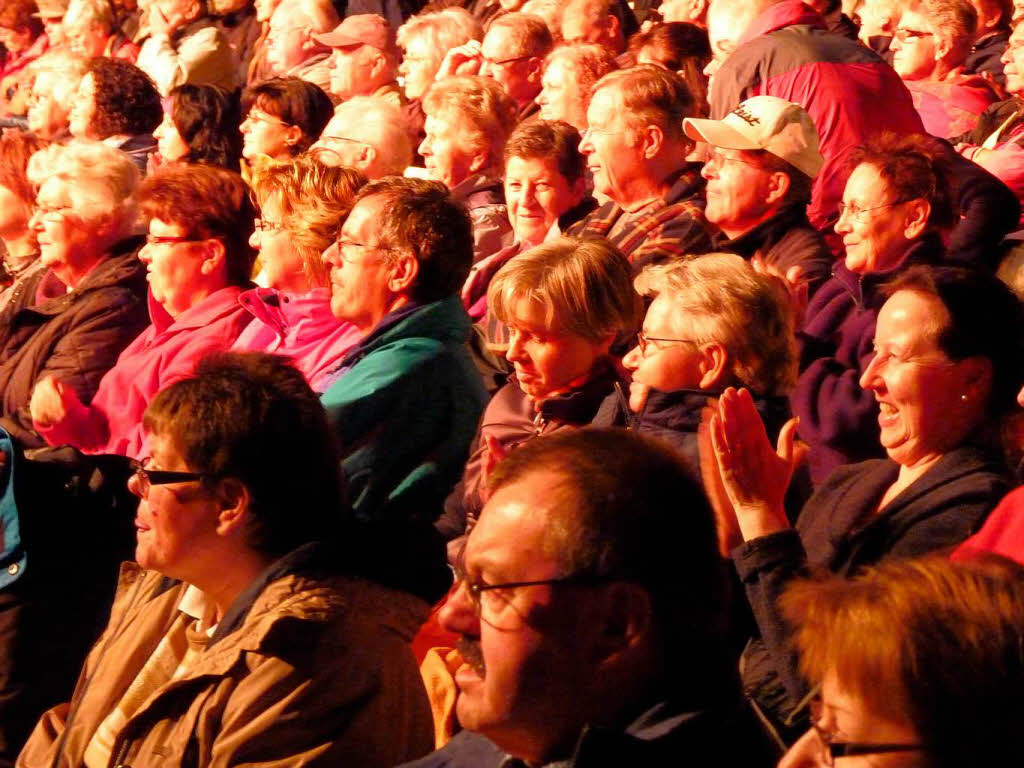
(951, 107)
(165, 352)
(1003, 532)
(848, 90)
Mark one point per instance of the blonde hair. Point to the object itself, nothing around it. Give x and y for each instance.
(102, 181)
(443, 30)
(477, 106)
(584, 285)
(728, 302)
(88, 14)
(953, 20)
(70, 68)
(314, 199)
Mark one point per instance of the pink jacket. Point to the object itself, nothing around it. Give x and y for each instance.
(953, 106)
(300, 326)
(165, 352)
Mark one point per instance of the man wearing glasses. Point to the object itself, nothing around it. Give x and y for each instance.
(590, 614)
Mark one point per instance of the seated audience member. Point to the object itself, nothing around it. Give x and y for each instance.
(292, 49)
(688, 11)
(364, 58)
(636, 150)
(366, 133)
(198, 260)
(72, 319)
(895, 210)
(764, 157)
(947, 366)
(570, 72)
(17, 207)
(116, 103)
(595, 21)
(550, 12)
(836, 21)
(184, 47)
(21, 35)
(990, 39)
(406, 400)
(782, 51)
(468, 120)
(57, 77)
(51, 14)
(878, 20)
(238, 636)
(200, 125)
(302, 204)
(89, 28)
(283, 117)
(512, 54)
(591, 615)
(714, 322)
(425, 39)
(930, 45)
(545, 192)
(236, 20)
(564, 304)
(679, 48)
(259, 68)
(918, 663)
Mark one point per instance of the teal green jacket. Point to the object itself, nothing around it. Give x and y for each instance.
(406, 407)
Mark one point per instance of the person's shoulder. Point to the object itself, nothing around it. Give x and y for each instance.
(465, 750)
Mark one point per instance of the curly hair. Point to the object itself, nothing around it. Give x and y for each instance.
(207, 119)
(295, 102)
(127, 101)
(314, 199)
(480, 107)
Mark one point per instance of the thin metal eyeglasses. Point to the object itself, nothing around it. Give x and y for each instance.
(834, 749)
(262, 225)
(857, 214)
(905, 35)
(262, 118)
(643, 341)
(150, 477)
(504, 62)
(477, 589)
(717, 159)
(170, 239)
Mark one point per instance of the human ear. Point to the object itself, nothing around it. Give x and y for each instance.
(215, 253)
(626, 621)
(653, 139)
(234, 500)
(778, 186)
(403, 273)
(916, 218)
(479, 162)
(713, 366)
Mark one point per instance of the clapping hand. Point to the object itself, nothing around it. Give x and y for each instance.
(51, 401)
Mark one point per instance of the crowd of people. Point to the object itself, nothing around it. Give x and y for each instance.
(493, 383)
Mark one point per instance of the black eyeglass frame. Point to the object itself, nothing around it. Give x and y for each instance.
(150, 477)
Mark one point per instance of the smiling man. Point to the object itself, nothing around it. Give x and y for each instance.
(590, 615)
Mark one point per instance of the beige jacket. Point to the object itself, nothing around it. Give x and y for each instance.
(319, 673)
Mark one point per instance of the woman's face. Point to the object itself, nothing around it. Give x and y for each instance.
(536, 194)
(927, 402)
(174, 266)
(265, 134)
(168, 141)
(420, 63)
(445, 153)
(68, 244)
(873, 223)
(846, 719)
(282, 264)
(83, 109)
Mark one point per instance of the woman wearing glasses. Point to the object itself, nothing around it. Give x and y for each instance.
(895, 209)
(947, 365)
(198, 260)
(303, 204)
(283, 117)
(918, 663)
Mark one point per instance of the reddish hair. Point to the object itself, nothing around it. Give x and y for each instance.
(16, 147)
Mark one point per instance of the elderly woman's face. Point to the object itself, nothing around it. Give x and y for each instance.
(48, 115)
(913, 46)
(445, 152)
(927, 403)
(560, 96)
(846, 719)
(419, 65)
(175, 521)
(67, 243)
(872, 223)
(536, 194)
(174, 266)
(547, 359)
(83, 109)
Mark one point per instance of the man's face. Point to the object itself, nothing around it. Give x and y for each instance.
(914, 54)
(561, 97)
(578, 28)
(1013, 61)
(352, 71)
(613, 156)
(288, 40)
(419, 65)
(737, 191)
(522, 672)
(48, 114)
(447, 157)
(503, 62)
(336, 145)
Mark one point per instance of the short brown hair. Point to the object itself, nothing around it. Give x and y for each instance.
(296, 102)
(18, 15)
(652, 96)
(207, 202)
(16, 147)
(315, 200)
(929, 642)
(529, 34)
(126, 99)
(915, 167)
(585, 286)
(550, 140)
(679, 47)
(421, 218)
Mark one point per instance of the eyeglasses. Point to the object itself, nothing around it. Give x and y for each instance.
(718, 159)
(351, 245)
(905, 35)
(262, 225)
(833, 749)
(255, 117)
(344, 139)
(150, 477)
(53, 213)
(170, 239)
(504, 62)
(857, 214)
(643, 341)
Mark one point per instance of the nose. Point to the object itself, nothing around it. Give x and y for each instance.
(632, 359)
(515, 347)
(424, 148)
(586, 146)
(35, 222)
(710, 168)
(458, 614)
(254, 239)
(135, 485)
(144, 255)
(871, 378)
(807, 752)
(843, 223)
(332, 255)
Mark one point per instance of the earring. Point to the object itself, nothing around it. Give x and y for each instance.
(963, 398)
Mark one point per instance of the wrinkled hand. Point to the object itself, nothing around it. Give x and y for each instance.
(159, 24)
(792, 280)
(728, 528)
(51, 401)
(755, 475)
(494, 454)
(461, 60)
